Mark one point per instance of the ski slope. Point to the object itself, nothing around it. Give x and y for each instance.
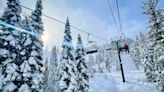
(127, 62)
(112, 82)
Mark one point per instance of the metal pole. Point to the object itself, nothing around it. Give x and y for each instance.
(122, 71)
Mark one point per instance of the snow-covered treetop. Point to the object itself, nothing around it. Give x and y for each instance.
(67, 43)
(155, 21)
(12, 12)
(67, 26)
(36, 20)
(38, 8)
(150, 5)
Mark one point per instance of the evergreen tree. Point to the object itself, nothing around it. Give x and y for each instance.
(107, 61)
(161, 73)
(67, 66)
(10, 47)
(25, 67)
(35, 59)
(82, 68)
(135, 53)
(32, 66)
(46, 74)
(100, 60)
(161, 81)
(149, 67)
(155, 39)
(91, 64)
(155, 25)
(143, 45)
(53, 77)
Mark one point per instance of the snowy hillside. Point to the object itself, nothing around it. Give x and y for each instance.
(112, 82)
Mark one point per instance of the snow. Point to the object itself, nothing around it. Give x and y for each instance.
(24, 88)
(34, 53)
(112, 82)
(99, 84)
(27, 42)
(161, 58)
(127, 62)
(32, 61)
(9, 88)
(4, 52)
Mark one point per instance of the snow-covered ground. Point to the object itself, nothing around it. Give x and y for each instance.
(112, 82)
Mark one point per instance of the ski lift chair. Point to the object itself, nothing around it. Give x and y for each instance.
(92, 46)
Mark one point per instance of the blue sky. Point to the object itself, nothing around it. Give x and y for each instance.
(90, 15)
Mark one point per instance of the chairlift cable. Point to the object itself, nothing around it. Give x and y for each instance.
(118, 13)
(74, 27)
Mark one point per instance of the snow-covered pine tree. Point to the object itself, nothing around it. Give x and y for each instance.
(159, 42)
(161, 73)
(91, 64)
(134, 51)
(151, 11)
(107, 61)
(36, 49)
(10, 47)
(25, 68)
(100, 61)
(114, 56)
(97, 63)
(82, 67)
(46, 74)
(159, 47)
(155, 37)
(161, 81)
(143, 46)
(149, 67)
(53, 77)
(67, 67)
